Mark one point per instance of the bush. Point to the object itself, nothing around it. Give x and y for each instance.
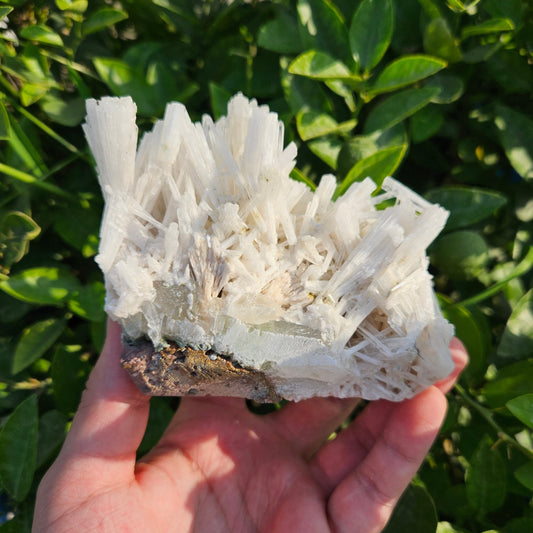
(436, 93)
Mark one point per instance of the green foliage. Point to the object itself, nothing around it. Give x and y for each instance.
(436, 92)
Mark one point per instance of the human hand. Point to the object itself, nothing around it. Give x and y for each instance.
(221, 468)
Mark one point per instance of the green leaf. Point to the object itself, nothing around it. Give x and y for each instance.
(472, 334)
(16, 230)
(18, 449)
(69, 373)
(41, 285)
(511, 9)
(516, 137)
(103, 18)
(34, 342)
(219, 100)
(82, 237)
(78, 6)
(467, 205)
(511, 381)
(397, 107)
(439, 41)
(524, 474)
(517, 339)
(327, 149)
(377, 166)
(319, 65)
(52, 430)
(486, 478)
(488, 26)
(65, 111)
(298, 175)
(451, 88)
(5, 126)
(4, 11)
(160, 415)
(425, 123)
(362, 146)
(415, 511)
(280, 35)
(405, 71)
(311, 124)
(322, 27)
(522, 408)
(88, 302)
(371, 32)
(124, 80)
(42, 34)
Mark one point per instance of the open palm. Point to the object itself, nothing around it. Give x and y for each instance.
(221, 468)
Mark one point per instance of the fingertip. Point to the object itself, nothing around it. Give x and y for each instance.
(459, 354)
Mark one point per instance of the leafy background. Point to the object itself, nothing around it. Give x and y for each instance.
(436, 92)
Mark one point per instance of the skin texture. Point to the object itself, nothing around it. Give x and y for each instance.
(218, 467)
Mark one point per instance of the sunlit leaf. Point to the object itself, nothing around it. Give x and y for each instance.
(319, 65)
(88, 302)
(103, 18)
(312, 124)
(516, 136)
(35, 341)
(41, 285)
(405, 71)
(41, 34)
(371, 32)
(488, 26)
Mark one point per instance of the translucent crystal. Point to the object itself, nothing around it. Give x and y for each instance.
(207, 241)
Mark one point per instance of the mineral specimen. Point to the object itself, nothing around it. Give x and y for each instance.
(209, 247)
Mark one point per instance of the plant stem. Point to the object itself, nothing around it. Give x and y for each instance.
(487, 415)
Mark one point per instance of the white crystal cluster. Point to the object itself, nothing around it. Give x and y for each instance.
(207, 241)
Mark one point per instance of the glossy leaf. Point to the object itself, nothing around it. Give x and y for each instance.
(371, 32)
(78, 6)
(522, 408)
(377, 166)
(312, 124)
(397, 107)
(405, 71)
(42, 34)
(41, 285)
(486, 478)
(451, 88)
(511, 381)
(362, 146)
(516, 137)
(18, 449)
(327, 148)
(488, 26)
(103, 18)
(280, 35)
(517, 338)
(35, 341)
(415, 511)
(439, 41)
(467, 205)
(4, 11)
(322, 27)
(319, 65)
